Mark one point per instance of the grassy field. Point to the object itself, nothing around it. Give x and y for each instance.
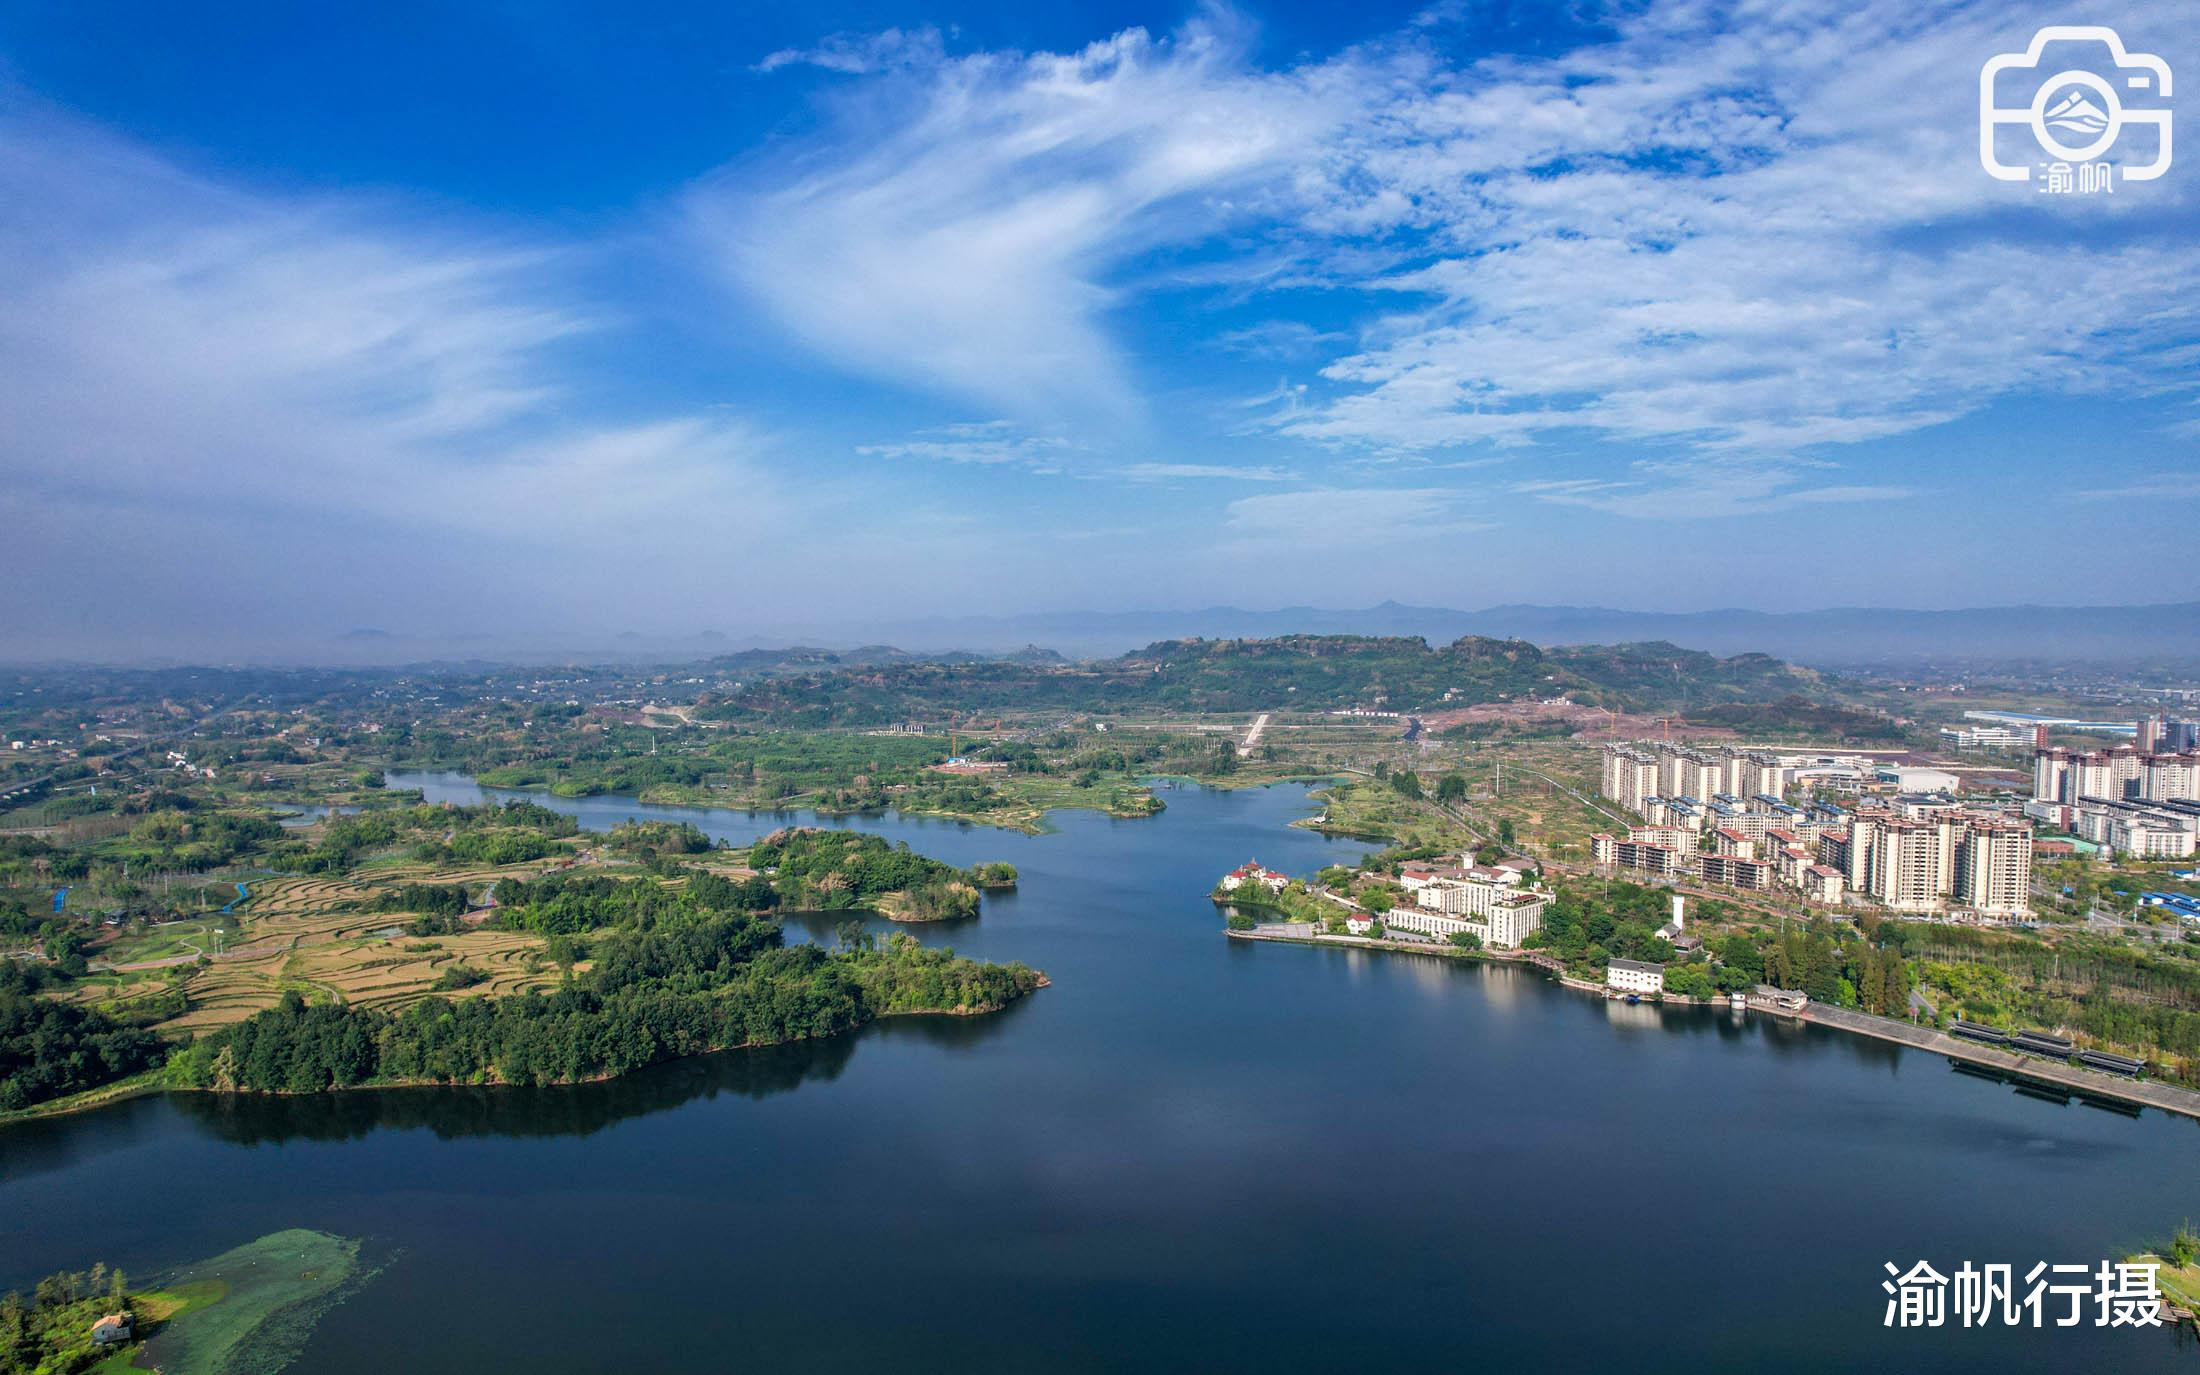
(1531, 792)
(1522, 782)
(1373, 810)
(2180, 1285)
(188, 937)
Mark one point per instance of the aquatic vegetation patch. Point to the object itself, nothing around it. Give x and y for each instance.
(251, 1310)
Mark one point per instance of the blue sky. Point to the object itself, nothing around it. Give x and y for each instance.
(526, 318)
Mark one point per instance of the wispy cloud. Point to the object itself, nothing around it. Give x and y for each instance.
(1280, 339)
(984, 442)
(2145, 487)
(961, 228)
(1749, 238)
(857, 54)
(1702, 489)
(1172, 472)
(171, 342)
(1329, 517)
(1764, 238)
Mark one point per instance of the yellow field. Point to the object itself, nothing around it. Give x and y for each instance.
(368, 971)
(306, 934)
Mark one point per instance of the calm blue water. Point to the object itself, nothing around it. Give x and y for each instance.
(1190, 1153)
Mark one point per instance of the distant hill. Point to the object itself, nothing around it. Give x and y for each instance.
(1844, 636)
(1303, 672)
(808, 659)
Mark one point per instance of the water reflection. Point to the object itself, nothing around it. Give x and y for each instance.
(43, 1144)
(1632, 1016)
(1502, 986)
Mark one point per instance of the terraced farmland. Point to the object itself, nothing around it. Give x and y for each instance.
(308, 935)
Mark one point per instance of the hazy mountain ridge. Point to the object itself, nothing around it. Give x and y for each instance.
(1832, 636)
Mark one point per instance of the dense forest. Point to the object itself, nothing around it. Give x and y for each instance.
(51, 1049)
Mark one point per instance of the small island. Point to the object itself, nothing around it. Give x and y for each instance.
(832, 871)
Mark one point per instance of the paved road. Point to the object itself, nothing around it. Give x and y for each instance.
(1252, 737)
(2168, 1098)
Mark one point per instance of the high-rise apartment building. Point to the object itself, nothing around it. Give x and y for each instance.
(1912, 864)
(1994, 867)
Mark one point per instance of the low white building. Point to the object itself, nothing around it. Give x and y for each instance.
(1428, 921)
(2135, 829)
(1251, 872)
(1635, 976)
(1912, 779)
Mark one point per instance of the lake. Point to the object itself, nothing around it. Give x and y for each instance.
(1189, 1153)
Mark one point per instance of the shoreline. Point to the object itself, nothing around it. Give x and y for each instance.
(2169, 1098)
(157, 1080)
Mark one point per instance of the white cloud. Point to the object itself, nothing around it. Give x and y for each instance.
(2145, 487)
(960, 231)
(1171, 472)
(1696, 489)
(1279, 339)
(1757, 233)
(1325, 517)
(856, 54)
(174, 343)
(987, 443)
(1750, 236)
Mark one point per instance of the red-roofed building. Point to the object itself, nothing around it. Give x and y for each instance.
(1251, 872)
(1728, 841)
